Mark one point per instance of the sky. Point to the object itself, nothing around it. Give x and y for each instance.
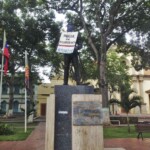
(46, 70)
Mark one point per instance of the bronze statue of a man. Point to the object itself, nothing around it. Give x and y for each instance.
(72, 58)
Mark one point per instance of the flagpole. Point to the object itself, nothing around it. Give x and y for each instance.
(25, 112)
(2, 65)
(1, 79)
(25, 122)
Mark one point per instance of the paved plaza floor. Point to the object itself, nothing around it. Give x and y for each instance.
(36, 141)
(128, 143)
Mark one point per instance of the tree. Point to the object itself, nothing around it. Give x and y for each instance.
(117, 71)
(129, 100)
(139, 50)
(105, 22)
(28, 26)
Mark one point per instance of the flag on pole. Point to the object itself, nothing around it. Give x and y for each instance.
(6, 54)
(26, 71)
(26, 87)
(6, 59)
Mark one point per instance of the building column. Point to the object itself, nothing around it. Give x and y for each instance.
(143, 106)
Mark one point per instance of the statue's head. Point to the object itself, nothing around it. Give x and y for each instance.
(70, 27)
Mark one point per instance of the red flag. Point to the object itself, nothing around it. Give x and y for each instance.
(6, 58)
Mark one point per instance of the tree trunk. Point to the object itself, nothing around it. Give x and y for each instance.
(128, 123)
(11, 96)
(103, 84)
(102, 73)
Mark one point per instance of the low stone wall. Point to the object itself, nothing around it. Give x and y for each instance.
(123, 119)
(133, 119)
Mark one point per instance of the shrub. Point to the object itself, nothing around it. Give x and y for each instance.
(5, 129)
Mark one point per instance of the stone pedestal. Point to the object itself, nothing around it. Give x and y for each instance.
(87, 124)
(63, 113)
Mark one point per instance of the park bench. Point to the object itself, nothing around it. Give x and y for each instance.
(142, 127)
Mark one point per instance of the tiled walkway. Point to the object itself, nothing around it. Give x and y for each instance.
(128, 144)
(36, 141)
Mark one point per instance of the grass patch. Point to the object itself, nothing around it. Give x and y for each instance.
(122, 132)
(19, 133)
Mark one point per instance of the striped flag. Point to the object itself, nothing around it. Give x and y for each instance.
(26, 88)
(26, 71)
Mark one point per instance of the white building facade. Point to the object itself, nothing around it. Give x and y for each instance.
(141, 84)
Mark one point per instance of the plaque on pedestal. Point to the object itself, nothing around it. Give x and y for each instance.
(87, 113)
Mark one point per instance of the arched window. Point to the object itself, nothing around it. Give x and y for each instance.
(3, 106)
(15, 106)
(28, 104)
(17, 89)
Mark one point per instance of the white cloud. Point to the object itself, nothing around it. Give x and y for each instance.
(45, 73)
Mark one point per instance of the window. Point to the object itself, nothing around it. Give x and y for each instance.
(15, 106)
(3, 106)
(4, 89)
(17, 89)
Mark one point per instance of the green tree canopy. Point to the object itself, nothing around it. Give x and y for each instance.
(117, 71)
(105, 22)
(29, 27)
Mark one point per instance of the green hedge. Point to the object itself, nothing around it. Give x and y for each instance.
(5, 129)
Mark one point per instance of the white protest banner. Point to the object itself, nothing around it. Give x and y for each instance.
(67, 42)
